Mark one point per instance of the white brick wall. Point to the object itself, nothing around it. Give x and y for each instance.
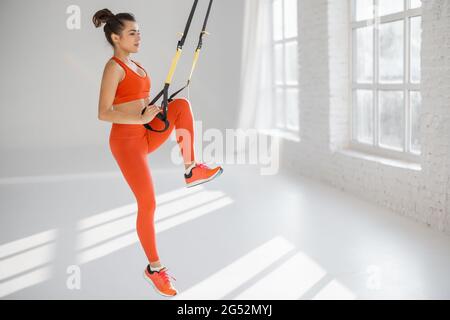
(423, 194)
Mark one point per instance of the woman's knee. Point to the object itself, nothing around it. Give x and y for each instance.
(183, 102)
(146, 201)
(147, 204)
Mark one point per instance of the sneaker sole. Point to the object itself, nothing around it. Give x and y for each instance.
(156, 289)
(196, 183)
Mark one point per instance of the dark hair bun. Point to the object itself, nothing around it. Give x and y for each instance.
(114, 23)
(102, 16)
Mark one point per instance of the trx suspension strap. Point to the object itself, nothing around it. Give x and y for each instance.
(165, 91)
(197, 51)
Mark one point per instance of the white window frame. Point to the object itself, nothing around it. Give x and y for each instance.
(406, 87)
(289, 132)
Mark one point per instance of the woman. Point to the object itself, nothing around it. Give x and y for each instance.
(124, 92)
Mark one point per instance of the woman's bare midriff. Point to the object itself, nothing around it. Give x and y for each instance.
(132, 107)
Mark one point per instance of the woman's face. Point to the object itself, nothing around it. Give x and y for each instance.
(130, 38)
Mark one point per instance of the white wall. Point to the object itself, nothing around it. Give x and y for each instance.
(420, 192)
(50, 79)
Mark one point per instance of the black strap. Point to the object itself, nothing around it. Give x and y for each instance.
(199, 46)
(188, 25)
(163, 116)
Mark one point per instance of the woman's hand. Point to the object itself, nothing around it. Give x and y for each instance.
(150, 113)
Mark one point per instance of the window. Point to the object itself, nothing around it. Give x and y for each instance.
(285, 65)
(386, 41)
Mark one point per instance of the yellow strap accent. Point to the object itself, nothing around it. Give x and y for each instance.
(196, 55)
(173, 66)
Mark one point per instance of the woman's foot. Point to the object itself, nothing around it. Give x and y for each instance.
(199, 173)
(160, 281)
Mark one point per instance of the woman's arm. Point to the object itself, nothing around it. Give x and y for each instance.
(111, 78)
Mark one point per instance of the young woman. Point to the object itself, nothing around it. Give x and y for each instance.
(124, 92)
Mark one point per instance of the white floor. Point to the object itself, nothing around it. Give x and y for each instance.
(242, 236)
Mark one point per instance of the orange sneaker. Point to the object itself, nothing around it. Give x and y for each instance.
(201, 173)
(160, 281)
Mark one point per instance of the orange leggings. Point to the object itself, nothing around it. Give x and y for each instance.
(130, 144)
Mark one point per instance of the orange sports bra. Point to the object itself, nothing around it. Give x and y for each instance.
(133, 86)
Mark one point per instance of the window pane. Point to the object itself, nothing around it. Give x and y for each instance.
(292, 108)
(290, 18)
(389, 6)
(277, 20)
(364, 54)
(279, 63)
(390, 119)
(363, 9)
(279, 111)
(416, 30)
(416, 4)
(291, 62)
(363, 126)
(415, 102)
(391, 52)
